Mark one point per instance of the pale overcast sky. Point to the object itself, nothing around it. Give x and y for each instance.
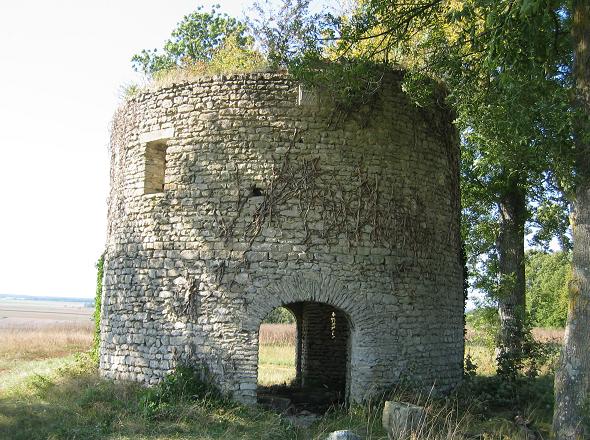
(63, 63)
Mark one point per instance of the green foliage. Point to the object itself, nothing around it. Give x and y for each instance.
(350, 85)
(280, 315)
(531, 357)
(129, 91)
(234, 56)
(184, 385)
(485, 322)
(97, 305)
(196, 39)
(469, 368)
(489, 395)
(528, 359)
(291, 37)
(286, 32)
(547, 279)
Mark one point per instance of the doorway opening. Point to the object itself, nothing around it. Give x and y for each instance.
(277, 349)
(318, 346)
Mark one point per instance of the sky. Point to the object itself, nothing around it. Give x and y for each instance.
(63, 66)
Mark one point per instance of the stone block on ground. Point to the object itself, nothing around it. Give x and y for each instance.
(401, 419)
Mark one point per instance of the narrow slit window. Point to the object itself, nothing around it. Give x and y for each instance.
(155, 167)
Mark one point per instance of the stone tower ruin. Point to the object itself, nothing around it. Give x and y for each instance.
(234, 195)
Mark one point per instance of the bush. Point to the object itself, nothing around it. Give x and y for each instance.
(485, 323)
(185, 384)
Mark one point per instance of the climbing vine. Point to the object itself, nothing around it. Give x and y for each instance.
(369, 210)
(97, 305)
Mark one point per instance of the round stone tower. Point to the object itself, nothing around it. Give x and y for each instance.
(234, 195)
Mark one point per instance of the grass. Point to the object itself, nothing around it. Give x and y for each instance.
(276, 354)
(75, 403)
(46, 395)
(37, 341)
(27, 349)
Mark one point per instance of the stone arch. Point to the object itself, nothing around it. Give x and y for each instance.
(299, 287)
(323, 359)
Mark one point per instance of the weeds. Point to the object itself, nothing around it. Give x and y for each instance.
(186, 384)
(74, 402)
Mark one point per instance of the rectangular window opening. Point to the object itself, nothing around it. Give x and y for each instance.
(155, 167)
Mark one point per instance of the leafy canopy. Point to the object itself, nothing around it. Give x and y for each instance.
(286, 31)
(196, 39)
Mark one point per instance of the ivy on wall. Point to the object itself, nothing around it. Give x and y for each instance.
(97, 304)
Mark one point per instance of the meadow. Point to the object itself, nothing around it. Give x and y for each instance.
(276, 357)
(50, 389)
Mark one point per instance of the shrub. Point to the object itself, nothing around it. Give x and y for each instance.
(185, 384)
(484, 323)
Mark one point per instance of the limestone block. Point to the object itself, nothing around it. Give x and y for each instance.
(343, 435)
(156, 135)
(401, 419)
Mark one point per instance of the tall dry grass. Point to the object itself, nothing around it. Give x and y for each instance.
(36, 341)
(276, 356)
(548, 334)
(541, 334)
(278, 334)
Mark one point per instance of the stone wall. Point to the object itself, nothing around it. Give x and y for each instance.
(267, 201)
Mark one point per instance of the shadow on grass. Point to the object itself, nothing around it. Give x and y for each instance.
(520, 408)
(76, 403)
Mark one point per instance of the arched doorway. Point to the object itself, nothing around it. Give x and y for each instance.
(321, 360)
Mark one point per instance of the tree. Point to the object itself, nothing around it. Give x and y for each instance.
(572, 380)
(197, 38)
(280, 315)
(285, 31)
(511, 110)
(494, 37)
(505, 180)
(547, 279)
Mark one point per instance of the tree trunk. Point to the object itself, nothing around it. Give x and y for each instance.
(572, 380)
(511, 298)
